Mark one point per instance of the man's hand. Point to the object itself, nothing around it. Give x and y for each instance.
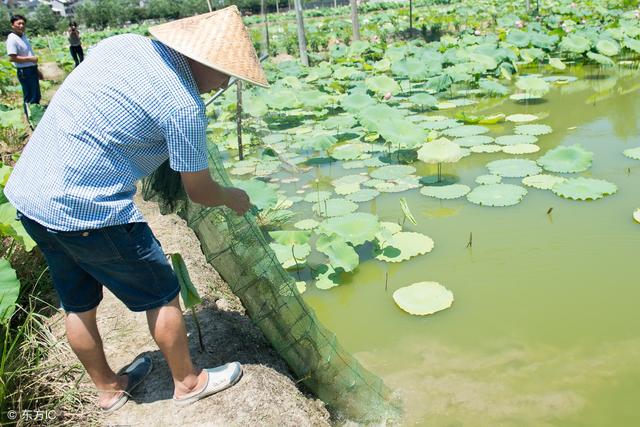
(237, 200)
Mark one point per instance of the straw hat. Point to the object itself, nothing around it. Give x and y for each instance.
(218, 40)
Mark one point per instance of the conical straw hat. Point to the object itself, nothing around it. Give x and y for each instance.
(218, 40)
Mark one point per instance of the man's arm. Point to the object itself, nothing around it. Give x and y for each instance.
(20, 59)
(203, 190)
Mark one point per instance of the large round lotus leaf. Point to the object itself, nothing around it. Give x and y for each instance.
(306, 224)
(399, 184)
(516, 139)
(440, 124)
(497, 195)
(356, 101)
(452, 191)
(424, 100)
(574, 44)
(285, 253)
(346, 189)
(608, 47)
(632, 153)
(513, 168)
(382, 85)
(636, 215)
(632, 44)
(542, 181)
(355, 228)
(467, 130)
(488, 179)
(349, 179)
(534, 130)
(290, 237)
(470, 141)
(261, 194)
(317, 196)
(348, 151)
(392, 172)
(566, 159)
(557, 63)
(521, 118)
(423, 298)
(584, 188)
(363, 195)
(492, 87)
(519, 97)
(601, 59)
(440, 151)
(405, 245)
(339, 252)
(521, 149)
(518, 38)
(334, 207)
(486, 148)
(533, 86)
(329, 279)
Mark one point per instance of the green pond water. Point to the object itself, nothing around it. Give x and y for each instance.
(545, 327)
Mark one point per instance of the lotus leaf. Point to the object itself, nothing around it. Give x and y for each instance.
(493, 87)
(363, 195)
(349, 179)
(328, 279)
(566, 159)
(486, 148)
(306, 224)
(575, 44)
(423, 298)
(488, 179)
(12, 118)
(446, 105)
(470, 141)
(340, 254)
(282, 98)
(542, 181)
(520, 97)
(466, 130)
(347, 151)
(497, 195)
(301, 287)
(317, 196)
(522, 118)
(440, 124)
(345, 189)
(636, 215)
(601, 59)
(533, 54)
(584, 188)
(407, 245)
(355, 228)
(392, 172)
(516, 139)
(452, 191)
(440, 151)
(533, 86)
(557, 63)
(534, 130)
(608, 47)
(285, 253)
(9, 289)
(513, 168)
(521, 149)
(382, 85)
(356, 101)
(290, 237)
(334, 207)
(632, 44)
(518, 38)
(424, 100)
(399, 184)
(632, 153)
(262, 195)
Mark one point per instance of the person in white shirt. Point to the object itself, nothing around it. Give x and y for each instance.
(26, 62)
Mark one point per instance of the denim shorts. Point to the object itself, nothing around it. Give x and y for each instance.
(127, 259)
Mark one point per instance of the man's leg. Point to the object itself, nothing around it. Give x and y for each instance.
(74, 55)
(84, 338)
(167, 328)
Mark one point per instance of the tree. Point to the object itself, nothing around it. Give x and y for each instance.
(44, 20)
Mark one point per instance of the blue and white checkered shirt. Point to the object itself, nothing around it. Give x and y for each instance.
(128, 107)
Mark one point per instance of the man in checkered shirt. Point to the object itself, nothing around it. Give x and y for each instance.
(130, 106)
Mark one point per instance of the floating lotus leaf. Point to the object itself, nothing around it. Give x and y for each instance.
(516, 139)
(346, 189)
(424, 100)
(306, 224)
(636, 215)
(486, 148)
(285, 253)
(534, 130)
(334, 207)
(290, 237)
(350, 179)
(521, 149)
(557, 63)
(601, 59)
(584, 188)
(632, 153)
(339, 252)
(514, 168)
(347, 151)
(318, 142)
(387, 229)
(357, 101)
(466, 130)
(523, 97)
(440, 151)
(497, 195)
(382, 85)
(373, 162)
(392, 172)
(405, 245)
(608, 47)
(317, 196)
(355, 228)
(470, 141)
(301, 287)
(518, 38)
(363, 195)
(566, 159)
(452, 191)
(261, 194)
(440, 124)
(533, 86)
(282, 98)
(488, 179)
(575, 44)
(423, 298)
(399, 184)
(493, 87)
(521, 118)
(329, 279)
(542, 181)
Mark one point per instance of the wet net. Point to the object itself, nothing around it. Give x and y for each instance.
(236, 247)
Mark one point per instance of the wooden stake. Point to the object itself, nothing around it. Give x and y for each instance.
(302, 41)
(239, 118)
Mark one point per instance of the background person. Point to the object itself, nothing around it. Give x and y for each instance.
(26, 62)
(75, 45)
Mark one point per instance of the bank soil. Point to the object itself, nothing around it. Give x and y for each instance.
(266, 395)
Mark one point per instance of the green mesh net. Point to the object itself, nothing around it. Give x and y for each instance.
(236, 247)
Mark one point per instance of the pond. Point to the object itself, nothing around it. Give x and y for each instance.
(544, 327)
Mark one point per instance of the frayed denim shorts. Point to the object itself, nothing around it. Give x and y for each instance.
(127, 259)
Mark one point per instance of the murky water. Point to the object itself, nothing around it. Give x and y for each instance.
(545, 327)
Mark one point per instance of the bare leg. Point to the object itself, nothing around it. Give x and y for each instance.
(84, 338)
(167, 329)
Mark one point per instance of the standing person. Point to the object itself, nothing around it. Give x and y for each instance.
(26, 62)
(108, 125)
(75, 45)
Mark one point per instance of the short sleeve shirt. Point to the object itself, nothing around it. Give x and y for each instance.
(20, 46)
(130, 106)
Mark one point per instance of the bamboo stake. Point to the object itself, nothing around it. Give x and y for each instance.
(239, 118)
(355, 24)
(209, 4)
(302, 41)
